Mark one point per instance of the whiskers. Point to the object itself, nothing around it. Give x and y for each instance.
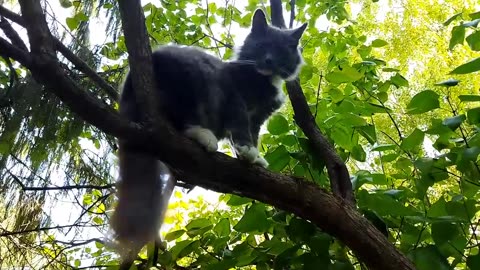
(243, 62)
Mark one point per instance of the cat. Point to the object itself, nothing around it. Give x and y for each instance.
(207, 99)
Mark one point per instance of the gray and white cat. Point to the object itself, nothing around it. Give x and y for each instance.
(206, 99)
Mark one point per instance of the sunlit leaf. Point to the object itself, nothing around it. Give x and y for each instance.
(422, 102)
(469, 67)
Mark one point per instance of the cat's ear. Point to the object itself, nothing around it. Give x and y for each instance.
(259, 22)
(297, 33)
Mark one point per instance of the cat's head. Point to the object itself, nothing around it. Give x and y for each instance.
(274, 51)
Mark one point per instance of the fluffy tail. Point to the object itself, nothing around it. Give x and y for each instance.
(144, 189)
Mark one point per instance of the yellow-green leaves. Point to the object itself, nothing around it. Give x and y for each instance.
(458, 35)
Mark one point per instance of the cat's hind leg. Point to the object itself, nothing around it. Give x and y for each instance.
(203, 136)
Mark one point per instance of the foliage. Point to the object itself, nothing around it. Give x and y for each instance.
(391, 84)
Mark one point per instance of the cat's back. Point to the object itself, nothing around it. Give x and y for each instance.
(181, 59)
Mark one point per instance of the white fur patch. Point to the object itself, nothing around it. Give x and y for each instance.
(203, 136)
(277, 82)
(261, 161)
(249, 153)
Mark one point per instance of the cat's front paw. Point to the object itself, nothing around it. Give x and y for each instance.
(203, 136)
(249, 153)
(261, 161)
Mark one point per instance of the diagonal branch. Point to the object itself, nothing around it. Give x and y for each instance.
(76, 61)
(337, 170)
(12, 34)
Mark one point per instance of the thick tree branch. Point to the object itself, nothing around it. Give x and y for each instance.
(140, 59)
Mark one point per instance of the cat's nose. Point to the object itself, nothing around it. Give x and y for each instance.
(268, 61)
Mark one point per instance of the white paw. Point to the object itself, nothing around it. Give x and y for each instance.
(203, 136)
(261, 161)
(249, 153)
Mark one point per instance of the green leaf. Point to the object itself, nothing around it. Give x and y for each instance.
(174, 235)
(454, 122)
(383, 147)
(473, 115)
(458, 35)
(383, 204)
(442, 232)
(300, 230)
(358, 153)
(473, 41)
(399, 81)
(469, 98)
(277, 125)
(65, 3)
(413, 140)
(473, 261)
(198, 226)
(254, 220)
(222, 229)
(278, 158)
(368, 132)
(423, 102)
(72, 23)
(379, 43)
(347, 74)
(448, 83)
(474, 15)
(428, 258)
(77, 262)
(469, 67)
(237, 200)
(451, 19)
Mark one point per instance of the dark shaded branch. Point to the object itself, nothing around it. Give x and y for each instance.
(8, 50)
(69, 55)
(139, 58)
(277, 14)
(337, 170)
(11, 15)
(40, 229)
(292, 13)
(12, 34)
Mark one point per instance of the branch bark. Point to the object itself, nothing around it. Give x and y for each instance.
(337, 170)
(76, 61)
(216, 171)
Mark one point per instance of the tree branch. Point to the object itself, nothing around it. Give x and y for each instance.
(76, 61)
(337, 170)
(12, 34)
(139, 59)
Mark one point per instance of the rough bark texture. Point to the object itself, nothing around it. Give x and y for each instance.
(193, 165)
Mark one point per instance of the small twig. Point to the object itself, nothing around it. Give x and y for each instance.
(292, 13)
(38, 229)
